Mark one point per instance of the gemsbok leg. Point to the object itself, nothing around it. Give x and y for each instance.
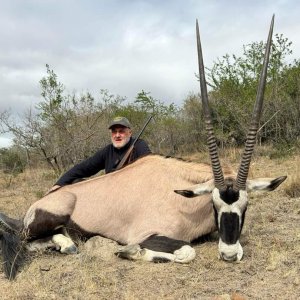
(159, 249)
(46, 221)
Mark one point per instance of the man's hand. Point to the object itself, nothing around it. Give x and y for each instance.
(54, 188)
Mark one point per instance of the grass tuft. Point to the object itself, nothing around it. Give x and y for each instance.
(293, 188)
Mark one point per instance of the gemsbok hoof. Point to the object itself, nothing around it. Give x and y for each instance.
(185, 254)
(69, 250)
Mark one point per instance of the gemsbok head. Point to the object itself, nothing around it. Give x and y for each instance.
(229, 195)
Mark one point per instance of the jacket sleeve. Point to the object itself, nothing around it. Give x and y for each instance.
(86, 168)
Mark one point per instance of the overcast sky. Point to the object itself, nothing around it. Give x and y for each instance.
(126, 46)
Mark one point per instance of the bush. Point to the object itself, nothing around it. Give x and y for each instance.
(11, 161)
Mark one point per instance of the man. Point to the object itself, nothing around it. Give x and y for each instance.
(108, 157)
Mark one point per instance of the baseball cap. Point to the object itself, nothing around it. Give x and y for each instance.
(120, 121)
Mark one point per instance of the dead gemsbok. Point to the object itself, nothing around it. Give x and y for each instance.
(142, 211)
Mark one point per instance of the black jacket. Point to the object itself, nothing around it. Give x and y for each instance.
(107, 158)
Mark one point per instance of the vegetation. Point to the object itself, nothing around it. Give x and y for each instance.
(12, 160)
(64, 128)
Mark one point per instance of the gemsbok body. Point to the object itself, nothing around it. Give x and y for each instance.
(154, 207)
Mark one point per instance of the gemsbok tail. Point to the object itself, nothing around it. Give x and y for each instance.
(13, 253)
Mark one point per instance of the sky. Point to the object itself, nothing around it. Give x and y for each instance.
(126, 46)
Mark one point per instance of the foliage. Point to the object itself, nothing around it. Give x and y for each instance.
(12, 161)
(69, 128)
(66, 128)
(234, 83)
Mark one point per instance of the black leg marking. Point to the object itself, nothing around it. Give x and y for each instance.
(162, 244)
(160, 260)
(159, 249)
(209, 237)
(45, 223)
(77, 233)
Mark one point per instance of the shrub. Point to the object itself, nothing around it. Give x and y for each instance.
(11, 161)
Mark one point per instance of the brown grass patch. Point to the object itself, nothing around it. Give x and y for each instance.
(269, 270)
(292, 189)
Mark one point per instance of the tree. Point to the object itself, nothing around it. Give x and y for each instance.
(234, 81)
(63, 129)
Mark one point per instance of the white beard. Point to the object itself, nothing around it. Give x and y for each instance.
(119, 146)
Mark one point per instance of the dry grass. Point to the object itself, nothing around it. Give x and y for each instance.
(293, 188)
(269, 270)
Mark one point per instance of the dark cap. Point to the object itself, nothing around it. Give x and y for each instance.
(120, 121)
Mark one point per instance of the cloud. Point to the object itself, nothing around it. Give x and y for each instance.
(126, 46)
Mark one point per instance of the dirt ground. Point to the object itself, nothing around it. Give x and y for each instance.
(270, 268)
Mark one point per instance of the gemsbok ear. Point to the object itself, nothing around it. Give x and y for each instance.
(197, 190)
(264, 184)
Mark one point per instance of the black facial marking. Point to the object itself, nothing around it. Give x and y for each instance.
(229, 229)
(229, 195)
(216, 216)
(243, 219)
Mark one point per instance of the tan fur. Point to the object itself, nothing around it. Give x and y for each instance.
(138, 201)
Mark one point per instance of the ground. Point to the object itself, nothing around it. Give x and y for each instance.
(270, 268)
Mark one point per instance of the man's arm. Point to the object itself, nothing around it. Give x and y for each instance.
(86, 168)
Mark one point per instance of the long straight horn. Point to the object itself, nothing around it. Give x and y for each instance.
(211, 140)
(250, 142)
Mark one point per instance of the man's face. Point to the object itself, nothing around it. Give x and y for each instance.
(120, 136)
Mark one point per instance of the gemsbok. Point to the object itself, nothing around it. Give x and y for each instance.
(158, 206)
